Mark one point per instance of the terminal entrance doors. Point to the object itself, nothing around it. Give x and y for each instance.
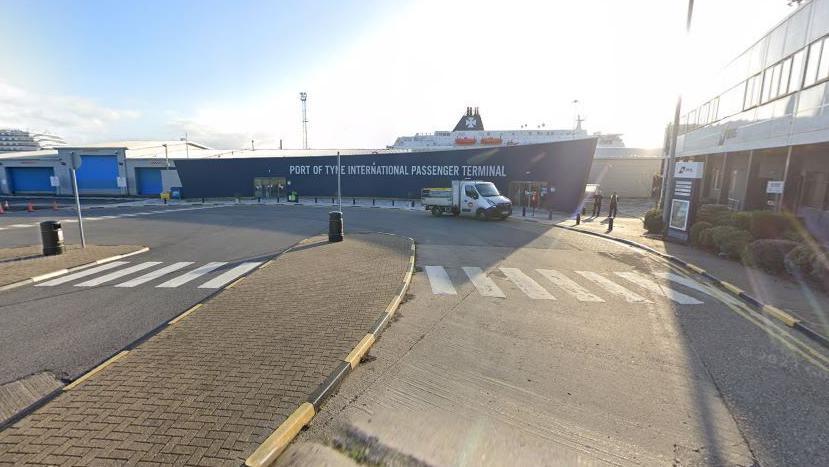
(268, 187)
(527, 194)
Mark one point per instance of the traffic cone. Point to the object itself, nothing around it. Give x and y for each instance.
(30, 207)
(6, 205)
(55, 205)
(2, 211)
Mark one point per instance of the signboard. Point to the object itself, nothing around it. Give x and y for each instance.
(54, 181)
(680, 209)
(689, 169)
(122, 182)
(774, 187)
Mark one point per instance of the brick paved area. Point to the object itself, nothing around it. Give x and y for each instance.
(13, 271)
(209, 389)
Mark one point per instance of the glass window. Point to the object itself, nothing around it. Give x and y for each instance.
(715, 104)
(692, 118)
(703, 114)
(823, 69)
(766, 85)
(775, 80)
(812, 64)
(797, 71)
(749, 93)
(785, 72)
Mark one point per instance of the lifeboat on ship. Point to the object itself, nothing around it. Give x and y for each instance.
(491, 140)
(465, 140)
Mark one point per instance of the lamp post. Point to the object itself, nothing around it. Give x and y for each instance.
(166, 157)
(667, 180)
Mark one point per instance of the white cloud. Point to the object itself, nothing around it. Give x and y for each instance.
(76, 119)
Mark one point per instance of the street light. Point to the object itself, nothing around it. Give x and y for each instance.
(166, 157)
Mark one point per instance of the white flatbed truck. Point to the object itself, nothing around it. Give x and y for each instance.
(476, 198)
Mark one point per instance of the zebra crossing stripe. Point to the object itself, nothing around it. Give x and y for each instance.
(155, 274)
(484, 284)
(613, 287)
(569, 286)
(120, 273)
(526, 284)
(439, 280)
(690, 283)
(648, 284)
(84, 273)
(228, 276)
(189, 276)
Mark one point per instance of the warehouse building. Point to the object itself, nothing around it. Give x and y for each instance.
(762, 128)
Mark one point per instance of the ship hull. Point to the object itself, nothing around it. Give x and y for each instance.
(563, 166)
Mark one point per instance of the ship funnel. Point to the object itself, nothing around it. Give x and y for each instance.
(470, 121)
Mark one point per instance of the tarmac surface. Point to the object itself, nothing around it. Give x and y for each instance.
(501, 353)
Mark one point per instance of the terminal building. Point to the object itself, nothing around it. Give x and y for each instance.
(766, 119)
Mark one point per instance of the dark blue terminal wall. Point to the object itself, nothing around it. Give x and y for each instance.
(563, 165)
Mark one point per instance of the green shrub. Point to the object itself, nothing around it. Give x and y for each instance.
(696, 230)
(820, 269)
(720, 234)
(798, 262)
(742, 220)
(653, 221)
(768, 254)
(734, 245)
(706, 238)
(767, 224)
(710, 212)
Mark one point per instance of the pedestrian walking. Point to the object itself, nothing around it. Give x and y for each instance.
(614, 205)
(597, 203)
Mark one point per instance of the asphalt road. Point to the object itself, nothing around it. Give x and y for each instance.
(685, 377)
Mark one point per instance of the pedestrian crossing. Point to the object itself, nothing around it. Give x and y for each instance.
(123, 274)
(552, 284)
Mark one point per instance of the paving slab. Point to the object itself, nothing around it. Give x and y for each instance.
(20, 263)
(210, 388)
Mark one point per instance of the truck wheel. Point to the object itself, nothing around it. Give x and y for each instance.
(436, 211)
(480, 214)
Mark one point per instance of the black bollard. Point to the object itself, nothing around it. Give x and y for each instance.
(523, 211)
(258, 199)
(392, 202)
(315, 200)
(332, 200)
(335, 226)
(372, 202)
(609, 224)
(202, 200)
(51, 237)
(578, 218)
(412, 203)
(353, 201)
(549, 214)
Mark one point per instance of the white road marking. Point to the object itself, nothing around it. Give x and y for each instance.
(228, 276)
(189, 276)
(484, 284)
(155, 274)
(84, 273)
(690, 283)
(120, 273)
(439, 280)
(569, 286)
(668, 292)
(613, 287)
(21, 226)
(526, 284)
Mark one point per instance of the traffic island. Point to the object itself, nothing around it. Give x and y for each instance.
(24, 265)
(219, 380)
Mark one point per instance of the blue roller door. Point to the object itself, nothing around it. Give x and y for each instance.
(31, 179)
(98, 173)
(148, 181)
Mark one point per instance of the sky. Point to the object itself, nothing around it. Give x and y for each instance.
(226, 72)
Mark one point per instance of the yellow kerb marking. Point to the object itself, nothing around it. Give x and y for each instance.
(354, 357)
(731, 287)
(696, 269)
(270, 450)
(232, 284)
(781, 315)
(95, 370)
(184, 315)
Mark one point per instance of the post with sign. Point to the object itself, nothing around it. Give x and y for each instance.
(686, 188)
(775, 187)
(75, 164)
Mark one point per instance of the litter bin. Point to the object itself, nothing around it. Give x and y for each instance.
(51, 235)
(335, 226)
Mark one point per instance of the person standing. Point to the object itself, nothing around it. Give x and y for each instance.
(597, 204)
(613, 205)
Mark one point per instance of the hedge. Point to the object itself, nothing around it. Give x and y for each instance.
(734, 245)
(767, 224)
(798, 262)
(653, 221)
(696, 231)
(706, 238)
(768, 254)
(710, 212)
(820, 269)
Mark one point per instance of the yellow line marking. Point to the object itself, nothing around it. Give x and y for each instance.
(184, 315)
(696, 269)
(357, 353)
(781, 315)
(270, 450)
(95, 370)
(232, 284)
(730, 287)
